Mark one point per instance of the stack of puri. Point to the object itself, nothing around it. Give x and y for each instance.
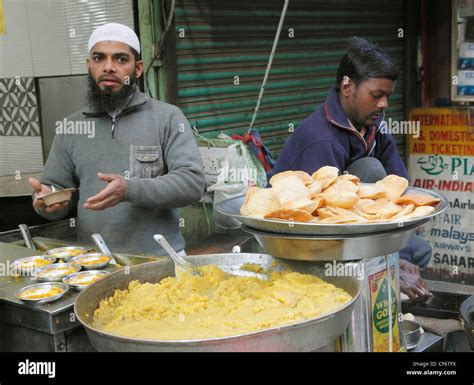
(329, 198)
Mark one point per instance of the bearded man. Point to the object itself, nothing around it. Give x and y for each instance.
(140, 164)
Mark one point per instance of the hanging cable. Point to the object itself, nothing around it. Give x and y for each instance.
(269, 65)
(167, 21)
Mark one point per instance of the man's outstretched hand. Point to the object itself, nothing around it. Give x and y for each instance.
(111, 195)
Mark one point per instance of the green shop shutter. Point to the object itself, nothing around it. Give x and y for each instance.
(217, 41)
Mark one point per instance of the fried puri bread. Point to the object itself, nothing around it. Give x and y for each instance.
(393, 185)
(417, 200)
(327, 197)
(294, 215)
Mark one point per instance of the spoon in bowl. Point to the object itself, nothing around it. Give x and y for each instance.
(179, 263)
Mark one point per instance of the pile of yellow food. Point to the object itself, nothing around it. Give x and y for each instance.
(215, 305)
(327, 197)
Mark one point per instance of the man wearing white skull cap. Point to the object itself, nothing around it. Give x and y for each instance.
(141, 163)
(115, 32)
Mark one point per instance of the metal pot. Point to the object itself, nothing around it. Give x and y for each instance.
(411, 333)
(303, 336)
(333, 247)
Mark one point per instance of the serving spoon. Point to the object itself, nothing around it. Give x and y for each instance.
(179, 263)
(25, 232)
(104, 249)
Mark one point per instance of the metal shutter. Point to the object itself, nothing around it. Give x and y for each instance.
(223, 39)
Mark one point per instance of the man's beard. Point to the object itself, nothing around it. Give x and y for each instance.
(108, 100)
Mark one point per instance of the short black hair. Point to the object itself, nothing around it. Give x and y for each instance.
(364, 60)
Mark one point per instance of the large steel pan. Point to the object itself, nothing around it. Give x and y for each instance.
(303, 336)
(333, 247)
(231, 208)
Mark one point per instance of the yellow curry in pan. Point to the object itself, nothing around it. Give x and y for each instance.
(215, 305)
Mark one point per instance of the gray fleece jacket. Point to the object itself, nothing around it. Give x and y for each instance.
(151, 144)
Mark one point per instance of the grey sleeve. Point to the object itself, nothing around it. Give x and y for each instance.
(184, 182)
(58, 171)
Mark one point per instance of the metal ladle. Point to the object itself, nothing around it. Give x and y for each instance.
(104, 249)
(121, 259)
(25, 232)
(179, 263)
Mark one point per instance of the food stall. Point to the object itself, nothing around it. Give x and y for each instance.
(360, 258)
(323, 273)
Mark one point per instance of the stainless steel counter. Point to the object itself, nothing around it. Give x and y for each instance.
(38, 323)
(53, 327)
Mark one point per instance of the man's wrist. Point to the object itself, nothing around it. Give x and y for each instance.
(130, 190)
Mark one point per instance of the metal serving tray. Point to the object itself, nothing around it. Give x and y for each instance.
(231, 207)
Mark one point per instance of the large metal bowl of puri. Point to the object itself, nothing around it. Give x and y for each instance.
(334, 247)
(302, 336)
(231, 208)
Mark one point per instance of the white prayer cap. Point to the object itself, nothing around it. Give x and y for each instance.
(115, 32)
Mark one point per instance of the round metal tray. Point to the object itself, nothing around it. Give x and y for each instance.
(68, 280)
(231, 207)
(77, 260)
(303, 336)
(65, 252)
(334, 247)
(25, 271)
(41, 301)
(57, 277)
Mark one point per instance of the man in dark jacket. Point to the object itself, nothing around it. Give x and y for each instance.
(347, 132)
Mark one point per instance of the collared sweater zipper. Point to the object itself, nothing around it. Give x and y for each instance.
(113, 126)
(355, 132)
(114, 123)
(116, 119)
(346, 128)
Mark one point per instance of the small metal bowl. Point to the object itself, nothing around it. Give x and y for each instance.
(81, 261)
(42, 275)
(18, 266)
(42, 287)
(66, 252)
(411, 333)
(90, 274)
